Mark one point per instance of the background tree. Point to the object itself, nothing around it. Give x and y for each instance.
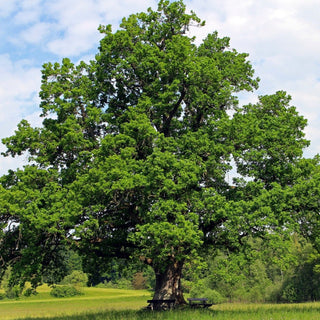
(135, 149)
(288, 272)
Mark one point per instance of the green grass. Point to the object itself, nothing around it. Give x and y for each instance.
(94, 300)
(114, 304)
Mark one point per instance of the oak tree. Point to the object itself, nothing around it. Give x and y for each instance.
(135, 150)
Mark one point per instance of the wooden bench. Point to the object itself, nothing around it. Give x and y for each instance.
(162, 304)
(199, 303)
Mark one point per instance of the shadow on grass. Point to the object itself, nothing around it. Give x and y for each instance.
(185, 314)
(235, 312)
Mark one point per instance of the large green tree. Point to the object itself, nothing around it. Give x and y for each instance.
(135, 151)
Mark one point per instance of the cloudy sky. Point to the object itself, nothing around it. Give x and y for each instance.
(282, 38)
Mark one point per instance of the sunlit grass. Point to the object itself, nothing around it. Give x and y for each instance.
(115, 304)
(44, 305)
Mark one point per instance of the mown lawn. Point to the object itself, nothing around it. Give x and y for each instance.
(114, 304)
(94, 300)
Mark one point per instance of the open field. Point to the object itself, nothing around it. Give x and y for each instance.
(94, 300)
(113, 304)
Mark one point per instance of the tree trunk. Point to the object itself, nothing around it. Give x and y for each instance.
(168, 283)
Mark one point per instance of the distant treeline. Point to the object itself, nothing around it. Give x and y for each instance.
(287, 273)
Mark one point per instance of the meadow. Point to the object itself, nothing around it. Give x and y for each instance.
(115, 304)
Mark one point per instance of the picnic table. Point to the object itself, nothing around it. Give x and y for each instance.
(162, 304)
(199, 303)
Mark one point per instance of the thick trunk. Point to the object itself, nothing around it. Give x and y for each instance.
(168, 283)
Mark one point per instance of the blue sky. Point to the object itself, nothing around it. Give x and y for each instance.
(282, 38)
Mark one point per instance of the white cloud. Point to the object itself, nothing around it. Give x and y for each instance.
(79, 21)
(7, 7)
(19, 79)
(26, 16)
(36, 33)
(77, 40)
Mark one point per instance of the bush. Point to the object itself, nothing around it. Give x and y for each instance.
(65, 291)
(198, 289)
(13, 292)
(6, 277)
(2, 296)
(123, 283)
(289, 293)
(213, 296)
(29, 292)
(76, 278)
(119, 284)
(201, 290)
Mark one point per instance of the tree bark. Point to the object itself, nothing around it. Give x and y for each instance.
(168, 283)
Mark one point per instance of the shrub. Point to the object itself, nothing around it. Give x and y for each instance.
(13, 292)
(119, 284)
(2, 296)
(289, 293)
(197, 289)
(123, 283)
(201, 290)
(213, 296)
(29, 292)
(6, 278)
(65, 291)
(77, 278)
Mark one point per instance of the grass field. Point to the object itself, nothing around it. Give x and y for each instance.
(113, 304)
(94, 300)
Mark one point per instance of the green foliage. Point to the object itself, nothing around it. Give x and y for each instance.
(13, 292)
(302, 283)
(261, 154)
(76, 278)
(29, 292)
(65, 262)
(134, 276)
(201, 290)
(5, 282)
(121, 283)
(267, 275)
(65, 291)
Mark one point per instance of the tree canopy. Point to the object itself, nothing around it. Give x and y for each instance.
(134, 152)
